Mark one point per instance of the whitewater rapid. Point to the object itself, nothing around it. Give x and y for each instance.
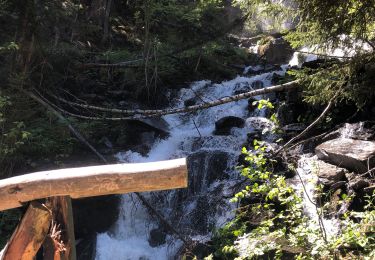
(128, 239)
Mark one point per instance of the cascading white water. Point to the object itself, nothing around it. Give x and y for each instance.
(190, 133)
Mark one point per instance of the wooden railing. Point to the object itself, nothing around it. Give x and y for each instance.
(50, 223)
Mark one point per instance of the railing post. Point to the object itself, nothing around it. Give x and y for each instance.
(29, 234)
(63, 220)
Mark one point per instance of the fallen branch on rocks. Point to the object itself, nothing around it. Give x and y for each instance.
(138, 113)
(312, 125)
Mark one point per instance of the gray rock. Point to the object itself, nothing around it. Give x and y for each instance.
(157, 237)
(286, 114)
(154, 124)
(205, 167)
(225, 124)
(355, 155)
(361, 131)
(276, 51)
(329, 174)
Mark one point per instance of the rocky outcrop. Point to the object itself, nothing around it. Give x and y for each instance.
(329, 175)
(157, 237)
(95, 215)
(214, 167)
(225, 124)
(276, 51)
(355, 155)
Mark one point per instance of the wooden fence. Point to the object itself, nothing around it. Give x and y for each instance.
(48, 221)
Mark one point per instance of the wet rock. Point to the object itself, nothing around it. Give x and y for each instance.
(257, 84)
(200, 216)
(292, 128)
(225, 124)
(286, 114)
(360, 131)
(190, 102)
(314, 64)
(205, 167)
(256, 124)
(276, 78)
(154, 124)
(253, 136)
(200, 251)
(355, 155)
(157, 237)
(86, 248)
(328, 174)
(357, 182)
(95, 215)
(250, 105)
(242, 88)
(276, 51)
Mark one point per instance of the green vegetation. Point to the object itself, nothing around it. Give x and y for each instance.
(270, 222)
(125, 54)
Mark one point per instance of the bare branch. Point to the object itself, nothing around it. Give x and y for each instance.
(138, 113)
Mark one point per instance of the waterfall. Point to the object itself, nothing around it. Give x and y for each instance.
(211, 160)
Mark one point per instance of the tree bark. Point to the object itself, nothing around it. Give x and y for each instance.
(29, 234)
(63, 215)
(93, 181)
(138, 114)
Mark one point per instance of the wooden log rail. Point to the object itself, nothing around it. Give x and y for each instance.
(93, 181)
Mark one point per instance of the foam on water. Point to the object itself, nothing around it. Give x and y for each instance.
(129, 237)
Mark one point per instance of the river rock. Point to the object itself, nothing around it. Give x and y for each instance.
(157, 124)
(95, 215)
(355, 155)
(256, 124)
(328, 174)
(205, 167)
(276, 51)
(362, 131)
(157, 237)
(225, 124)
(357, 182)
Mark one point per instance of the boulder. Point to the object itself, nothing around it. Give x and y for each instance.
(256, 124)
(205, 167)
(157, 237)
(276, 51)
(328, 174)
(225, 124)
(355, 155)
(94, 215)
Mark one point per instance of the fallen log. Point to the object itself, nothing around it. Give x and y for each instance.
(93, 181)
(29, 234)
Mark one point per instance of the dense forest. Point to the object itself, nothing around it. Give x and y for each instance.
(82, 81)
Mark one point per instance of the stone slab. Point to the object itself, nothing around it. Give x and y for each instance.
(355, 155)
